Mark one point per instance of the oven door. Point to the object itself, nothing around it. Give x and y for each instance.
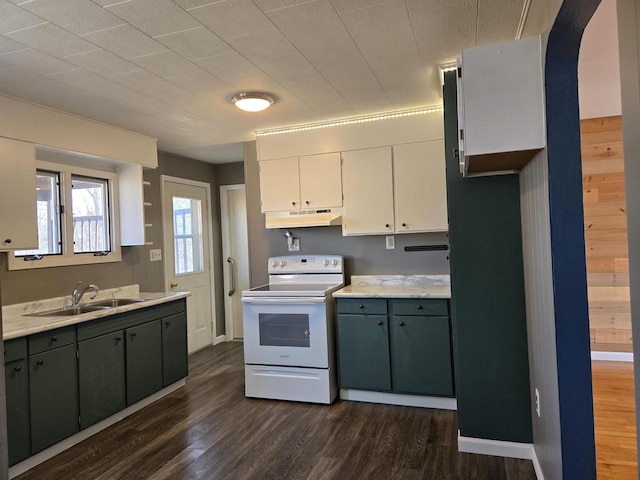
(285, 331)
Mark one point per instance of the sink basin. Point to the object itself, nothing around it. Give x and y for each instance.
(68, 311)
(115, 302)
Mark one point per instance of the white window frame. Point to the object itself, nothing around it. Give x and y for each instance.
(68, 257)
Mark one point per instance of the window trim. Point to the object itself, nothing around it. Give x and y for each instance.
(68, 257)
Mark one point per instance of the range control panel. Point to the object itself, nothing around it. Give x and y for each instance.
(306, 264)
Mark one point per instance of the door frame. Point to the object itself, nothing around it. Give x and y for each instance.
(212, 261)
(226, 242)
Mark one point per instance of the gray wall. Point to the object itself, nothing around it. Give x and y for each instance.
(135, 267)
(543, 370)
(629, 44)
(364, 255)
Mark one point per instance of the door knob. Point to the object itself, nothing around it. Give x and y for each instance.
(173, 284)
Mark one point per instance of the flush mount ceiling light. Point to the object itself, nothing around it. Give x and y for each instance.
(252, 101)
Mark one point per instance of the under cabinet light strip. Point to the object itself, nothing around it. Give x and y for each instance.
(351, 121)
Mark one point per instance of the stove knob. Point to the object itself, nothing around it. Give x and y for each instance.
(283, 263)
(335, 263)
(326, 263)
(274, 264)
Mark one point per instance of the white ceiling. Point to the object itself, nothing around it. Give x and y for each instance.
(167, 68)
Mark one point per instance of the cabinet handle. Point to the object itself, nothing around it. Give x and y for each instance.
(386, 225)
(308, 202)
(167, 324)
(40, 362)
(293, 203)
(380, 322)
(118, 339)
(419, 307)
(54, 339)
(7, 241)
(404, 224)
(360, 306)
(401, 324)
(17, 369)
(133, 334)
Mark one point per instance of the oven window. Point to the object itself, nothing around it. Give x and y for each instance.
(284, 329)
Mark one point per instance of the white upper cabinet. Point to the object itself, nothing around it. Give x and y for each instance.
(309, 182)
(368, 192)
(279, 185)
(502, 123)
(320, 181)
(18, 221)
(420, 187)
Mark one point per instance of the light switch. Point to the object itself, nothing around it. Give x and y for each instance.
(391, 242)
(155, 255)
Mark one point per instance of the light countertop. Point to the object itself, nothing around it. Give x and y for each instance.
(16, 321)
(397, 286)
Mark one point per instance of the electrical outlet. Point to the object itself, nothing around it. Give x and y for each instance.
(390, 242)
(155, 255)
(294, 246)
(537, 402)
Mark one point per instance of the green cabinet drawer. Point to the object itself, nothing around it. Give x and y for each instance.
(60, 337)
(15, 349)
(363, 352)
(53, 390)
(143, 360)
(17, 397)
(420, 306)
(361, 306)
(421, 360)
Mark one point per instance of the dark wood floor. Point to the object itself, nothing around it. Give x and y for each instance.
(209, 430)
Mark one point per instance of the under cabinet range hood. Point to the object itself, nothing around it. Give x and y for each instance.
(304, 218)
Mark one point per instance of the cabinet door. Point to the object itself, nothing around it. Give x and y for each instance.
(174, 348)
(320, 181)
(421, 355)
(368, 192)
(420, 187)
(18, 223)
(363, 352)
(53, 386)
(279, 185)
(17, 388)
(101, 377)
(144, 361)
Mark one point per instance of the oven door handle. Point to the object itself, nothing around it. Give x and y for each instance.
(284, 301)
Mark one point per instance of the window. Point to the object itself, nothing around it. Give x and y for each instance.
(76, 223)
(187, 235)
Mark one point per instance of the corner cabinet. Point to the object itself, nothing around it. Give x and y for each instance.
(18, 222)
(296, 183)
(399, 189)
(399, 345)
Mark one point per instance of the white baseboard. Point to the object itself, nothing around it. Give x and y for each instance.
(497, 448)
(399, 399)
(219, 339)
(59, 447)
(536, 464)
(612, 356)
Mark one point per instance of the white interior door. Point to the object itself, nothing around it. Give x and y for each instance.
(235, 250)
(187, 238)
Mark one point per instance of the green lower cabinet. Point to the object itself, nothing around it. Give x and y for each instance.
(421, 355)
(101, 371)
(53, 391)
(17, 395)
(144, 360)
(363, 352)
(174, 348)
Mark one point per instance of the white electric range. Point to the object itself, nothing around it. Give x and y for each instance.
(289, 330)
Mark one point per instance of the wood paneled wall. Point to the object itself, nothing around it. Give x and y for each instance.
(605, 223)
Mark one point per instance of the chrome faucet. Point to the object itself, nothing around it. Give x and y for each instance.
(76, 295)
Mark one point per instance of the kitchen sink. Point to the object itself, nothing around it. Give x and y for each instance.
(68, 311)
(115, 302)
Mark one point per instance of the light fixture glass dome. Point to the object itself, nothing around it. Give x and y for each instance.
(252, 101)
